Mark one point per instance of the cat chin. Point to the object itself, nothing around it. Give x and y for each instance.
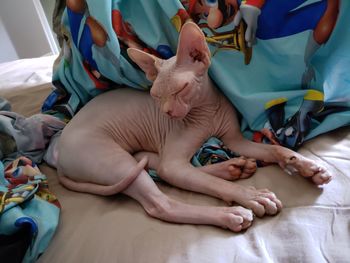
(182, 116)
(177, 117)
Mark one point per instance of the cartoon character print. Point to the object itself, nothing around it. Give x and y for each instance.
(24, 181)
(292, 132)
(126, 35)
(94, 35)
(274, 19)
(211, 15)
(268, 19)
(216, 13)
(128, 38)
(13, 197)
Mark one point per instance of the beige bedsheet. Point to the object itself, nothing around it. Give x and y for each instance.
(314, 225)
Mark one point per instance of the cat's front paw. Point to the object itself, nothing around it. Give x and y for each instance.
(307, 168)
(260, 201)
(236, 218)
(235, 168)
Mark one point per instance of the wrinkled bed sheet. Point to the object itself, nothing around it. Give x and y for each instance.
(314, 225)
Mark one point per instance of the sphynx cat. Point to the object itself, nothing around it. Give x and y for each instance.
(106, 147)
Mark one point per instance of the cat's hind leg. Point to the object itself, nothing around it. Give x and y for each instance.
(103, 163)
(94, 163)
(91, 161)
(158, 205)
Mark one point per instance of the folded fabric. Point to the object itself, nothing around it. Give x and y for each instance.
(4, 105)
(292, 81)
(29, 137)
(29, 212)
(27, 209)
(211, 152)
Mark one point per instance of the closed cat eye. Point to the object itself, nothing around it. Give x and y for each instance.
(183, 90)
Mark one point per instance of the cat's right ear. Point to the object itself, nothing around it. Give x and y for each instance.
(147, 62)
(192, 47)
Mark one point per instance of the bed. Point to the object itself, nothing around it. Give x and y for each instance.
(314, 225)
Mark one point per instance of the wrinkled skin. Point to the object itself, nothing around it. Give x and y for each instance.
(105, 148)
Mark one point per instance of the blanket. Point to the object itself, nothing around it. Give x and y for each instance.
(29, 211)
(282, 64)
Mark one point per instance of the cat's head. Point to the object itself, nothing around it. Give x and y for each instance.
(178, 81)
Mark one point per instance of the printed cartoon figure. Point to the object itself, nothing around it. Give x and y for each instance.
(269, 19)
(216, 13)
(24, 180)
(88, 36)
(94, 35)
(128, 38)
(292, 132)
(211, 15)
(13, 197)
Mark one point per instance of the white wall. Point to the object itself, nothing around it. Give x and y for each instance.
(24, 28)
(7, 51)
(48, 7)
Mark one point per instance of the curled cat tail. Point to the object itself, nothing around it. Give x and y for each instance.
(104, 190)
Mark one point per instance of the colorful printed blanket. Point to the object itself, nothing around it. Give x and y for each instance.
(283, 64)
(29, 212)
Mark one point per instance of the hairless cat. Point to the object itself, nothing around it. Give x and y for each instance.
(105, 148)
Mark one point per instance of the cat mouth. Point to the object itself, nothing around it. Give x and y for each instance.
(175, 117)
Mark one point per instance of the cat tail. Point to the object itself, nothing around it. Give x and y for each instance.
(104, 190)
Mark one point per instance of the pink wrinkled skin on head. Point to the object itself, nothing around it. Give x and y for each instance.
(177, 80)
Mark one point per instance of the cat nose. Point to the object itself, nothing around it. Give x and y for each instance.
(167, 108)
(169, 113)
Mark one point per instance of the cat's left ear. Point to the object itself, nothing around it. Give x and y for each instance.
(192, 47)
(147, 62)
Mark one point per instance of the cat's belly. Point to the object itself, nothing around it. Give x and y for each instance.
(129, 117)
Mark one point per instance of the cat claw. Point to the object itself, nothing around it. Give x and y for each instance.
(308, 169)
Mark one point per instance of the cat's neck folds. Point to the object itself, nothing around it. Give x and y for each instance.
(210, 95)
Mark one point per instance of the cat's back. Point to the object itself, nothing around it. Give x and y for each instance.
(121, 97)
(127, 115)
(116, 104)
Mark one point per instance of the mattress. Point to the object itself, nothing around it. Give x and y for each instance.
(314, 225)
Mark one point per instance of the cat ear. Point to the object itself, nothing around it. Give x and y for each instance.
(192, 46)
(145, 61)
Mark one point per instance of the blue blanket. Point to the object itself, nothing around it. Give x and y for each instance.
(283, 64)
(29, 212)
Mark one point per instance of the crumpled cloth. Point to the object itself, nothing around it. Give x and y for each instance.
(29, 137)
(26, 203)
(4, 104)
(29, 212)
(211, 152)
(269, 91)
